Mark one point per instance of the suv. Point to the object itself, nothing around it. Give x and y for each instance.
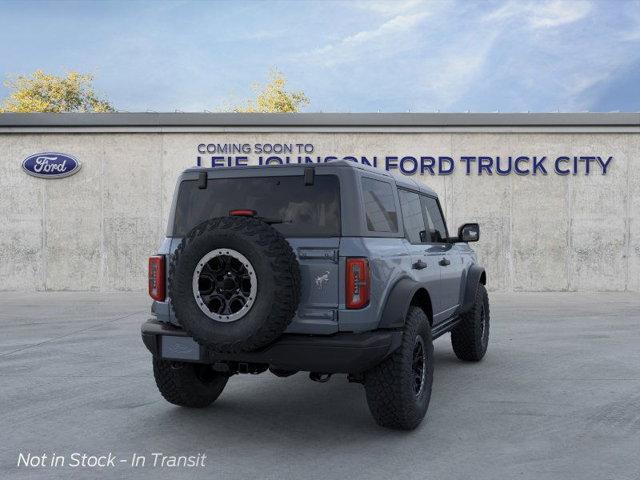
(331, 268)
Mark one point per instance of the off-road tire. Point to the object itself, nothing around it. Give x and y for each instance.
(278, 279)
(470, 337)
(389, 386)
(191, 385)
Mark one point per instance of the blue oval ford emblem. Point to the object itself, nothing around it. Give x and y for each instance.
(51, 165)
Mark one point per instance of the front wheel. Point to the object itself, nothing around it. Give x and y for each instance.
(188, 384)
(470, 337)
(399, 389)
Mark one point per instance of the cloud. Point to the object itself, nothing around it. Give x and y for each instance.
(451, 74)
(398, 24)
(390, 38)
(556, 13)
(632, 33)
(557, 67)
(541, 15)
(387, 7)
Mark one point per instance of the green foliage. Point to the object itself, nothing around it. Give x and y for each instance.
(274, 98)
(42, 92)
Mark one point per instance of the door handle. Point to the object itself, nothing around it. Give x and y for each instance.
(419, 265)
(444, 262)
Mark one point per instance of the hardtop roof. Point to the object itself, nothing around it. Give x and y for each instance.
(400, 180)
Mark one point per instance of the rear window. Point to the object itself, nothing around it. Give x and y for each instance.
(305, 210)
(379, 206)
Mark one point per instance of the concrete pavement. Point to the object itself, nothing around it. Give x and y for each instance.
(557, 397)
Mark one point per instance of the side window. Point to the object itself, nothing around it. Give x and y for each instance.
(379, 206)
(437, 227)
(412, 216)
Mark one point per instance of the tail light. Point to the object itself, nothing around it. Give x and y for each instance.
(357, 284)
(157, 278)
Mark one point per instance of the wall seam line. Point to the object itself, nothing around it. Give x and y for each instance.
(45, 256)
(101, 286)
(569, 201)
(627, 226)
(510, 249)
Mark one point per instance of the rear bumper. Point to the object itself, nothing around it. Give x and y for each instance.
(338, 353)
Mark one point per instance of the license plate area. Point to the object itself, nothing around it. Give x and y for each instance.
(179, 348)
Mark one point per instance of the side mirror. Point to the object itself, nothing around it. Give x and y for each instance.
(469, 232)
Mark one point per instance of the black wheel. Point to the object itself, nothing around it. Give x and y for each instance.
(470, 337)
(234, 283)
(399, 389)
(188, 384)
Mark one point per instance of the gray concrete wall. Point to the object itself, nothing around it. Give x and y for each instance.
(94, 230)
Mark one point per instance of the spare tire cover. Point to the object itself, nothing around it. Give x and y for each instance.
(234, 283)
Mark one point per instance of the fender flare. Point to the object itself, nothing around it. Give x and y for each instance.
(475, 276)
(398, 302)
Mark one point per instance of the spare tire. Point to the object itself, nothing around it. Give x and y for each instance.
(234, 283)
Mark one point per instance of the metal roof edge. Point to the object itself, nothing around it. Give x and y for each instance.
(159, 120)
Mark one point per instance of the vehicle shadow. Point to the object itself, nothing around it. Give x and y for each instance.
(291, 410)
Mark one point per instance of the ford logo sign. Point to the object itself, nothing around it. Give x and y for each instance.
(51, 165)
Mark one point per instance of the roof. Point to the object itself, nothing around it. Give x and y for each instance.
(400, 180)
(281, 121)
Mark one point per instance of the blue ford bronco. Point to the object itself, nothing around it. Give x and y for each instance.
(331, 268)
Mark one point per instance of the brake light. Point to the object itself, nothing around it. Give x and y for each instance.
(357, 283)
(242, 213)
(156, 278)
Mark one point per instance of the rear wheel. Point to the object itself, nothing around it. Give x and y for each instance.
(399, 389)
(188, 384)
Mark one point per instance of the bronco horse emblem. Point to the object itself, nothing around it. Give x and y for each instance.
(322, 279)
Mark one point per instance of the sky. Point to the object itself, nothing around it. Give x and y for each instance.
(347, 56)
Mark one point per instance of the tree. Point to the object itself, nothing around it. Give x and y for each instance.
(42, 92)
(274, 98)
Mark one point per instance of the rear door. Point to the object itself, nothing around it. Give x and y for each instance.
(306, 214)
(447, 257)
(424, 267)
